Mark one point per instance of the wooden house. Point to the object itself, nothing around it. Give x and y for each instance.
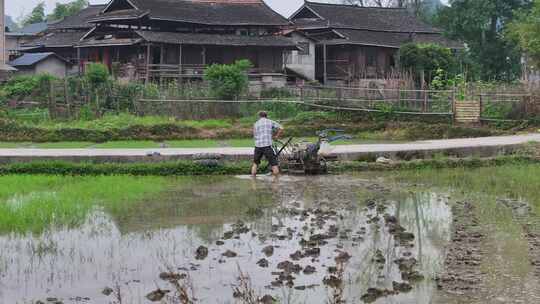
(175, 39)
(354, 43)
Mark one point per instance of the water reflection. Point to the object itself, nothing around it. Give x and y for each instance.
(132, 247)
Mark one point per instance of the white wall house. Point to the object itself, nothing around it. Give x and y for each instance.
(301, 61)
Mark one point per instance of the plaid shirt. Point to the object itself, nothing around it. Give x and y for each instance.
(263, 130)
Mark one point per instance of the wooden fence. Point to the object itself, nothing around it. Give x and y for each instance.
(66, 100)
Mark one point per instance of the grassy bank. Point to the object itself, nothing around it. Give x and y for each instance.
(125, 127)
(187, 168)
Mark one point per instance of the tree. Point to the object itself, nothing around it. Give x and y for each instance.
(228, 81)
(525, 31)
(422, 8)
(481, 24)
(68, 9)
(424, 60)
(37, 15)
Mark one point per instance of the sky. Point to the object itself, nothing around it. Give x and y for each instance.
(18, 8)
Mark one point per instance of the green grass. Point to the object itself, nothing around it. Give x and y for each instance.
(135, 144)
(147, 144)
(195, 143)
(61, 145)
(10, 145)
(35, 203)
(240, 143)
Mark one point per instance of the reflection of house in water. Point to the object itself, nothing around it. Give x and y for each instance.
(352, 43)
(205, 207)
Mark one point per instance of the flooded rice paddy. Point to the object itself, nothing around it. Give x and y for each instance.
(327, 239)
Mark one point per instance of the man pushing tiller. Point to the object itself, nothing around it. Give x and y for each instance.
(264, 131)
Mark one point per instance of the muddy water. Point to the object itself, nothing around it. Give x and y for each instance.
(128, 250)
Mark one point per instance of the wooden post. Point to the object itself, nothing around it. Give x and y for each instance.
(67, 98)
(325, 76)
(481, 103)
(454, 101)
(148, 49)
(203, 53)
(161, 62)
(426, 96)
(180, 64)
(79, 61)
(52, 100)
(399, 92)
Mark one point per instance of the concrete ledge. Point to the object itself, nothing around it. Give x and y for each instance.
(481, 147)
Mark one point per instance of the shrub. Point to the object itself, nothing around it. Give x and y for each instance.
(96, 74)
(22, 86)
(228, 81)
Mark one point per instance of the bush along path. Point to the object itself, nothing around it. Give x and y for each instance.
(213, 167)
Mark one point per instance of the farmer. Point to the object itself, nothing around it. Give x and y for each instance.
(263, 131)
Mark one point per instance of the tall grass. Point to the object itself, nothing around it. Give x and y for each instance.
(35, 203)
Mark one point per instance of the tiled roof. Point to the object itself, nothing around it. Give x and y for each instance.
(119, 15)
(108, 42)
(31, 29)
(212, 12)
(391, 39)
(30, 59)
(369, 18)
(56, 39)
(213, 39)
(80, 20)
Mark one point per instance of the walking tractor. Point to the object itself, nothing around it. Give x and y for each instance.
(302, 157)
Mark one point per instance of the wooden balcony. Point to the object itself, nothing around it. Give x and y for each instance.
(160, 72)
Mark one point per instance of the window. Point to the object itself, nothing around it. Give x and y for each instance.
(304, 48)
(371, 57)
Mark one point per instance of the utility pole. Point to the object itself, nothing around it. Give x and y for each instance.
(2, 35)
(4, 68)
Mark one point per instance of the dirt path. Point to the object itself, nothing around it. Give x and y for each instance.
(485, 146)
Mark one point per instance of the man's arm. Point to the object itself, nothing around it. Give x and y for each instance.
(278, 133)
(279, 129)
